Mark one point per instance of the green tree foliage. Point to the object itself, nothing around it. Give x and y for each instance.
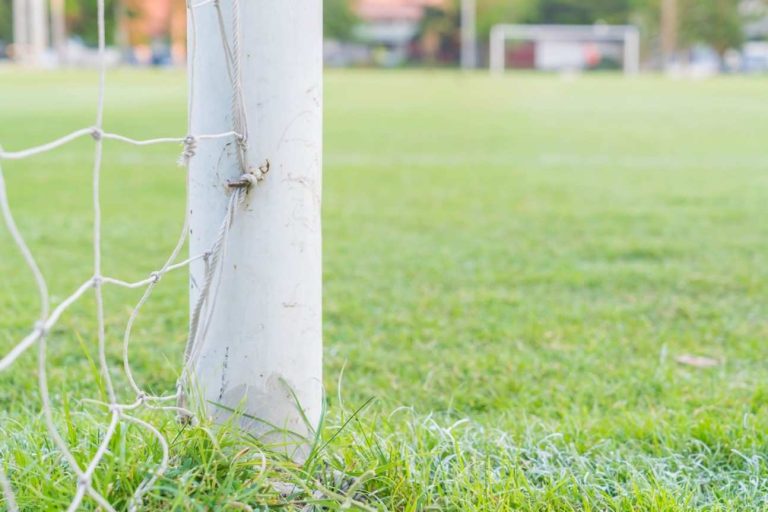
(717, 23)
(82, 16)
(583, 12)
(491, 12)
(713, 22)
(339, 19)
(81, 19)
(6, 25)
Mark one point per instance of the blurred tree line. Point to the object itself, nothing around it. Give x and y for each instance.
(714, 22)
(717, 23)
(80, 15)
(6, 20)
(340, 19)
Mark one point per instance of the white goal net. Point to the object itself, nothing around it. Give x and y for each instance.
(50, 314)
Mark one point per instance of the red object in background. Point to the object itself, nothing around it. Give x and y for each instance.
(522, 56)
(592, 55)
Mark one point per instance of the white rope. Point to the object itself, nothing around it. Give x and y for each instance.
(202, 311)
(96, 134)
(98, 154)
(232, 60)
(44, 148)
(206, 303)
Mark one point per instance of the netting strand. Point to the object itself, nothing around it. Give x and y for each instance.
(202, 310)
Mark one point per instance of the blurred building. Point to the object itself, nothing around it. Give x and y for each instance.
(755, 12)
(753, 57)
(153, 31)
(388, 27)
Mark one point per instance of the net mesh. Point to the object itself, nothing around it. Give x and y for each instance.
(50, 314)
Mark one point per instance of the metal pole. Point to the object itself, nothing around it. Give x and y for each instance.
(38, 34)
(59, 30)
(262, 353)
(468, 34)
(20, 29)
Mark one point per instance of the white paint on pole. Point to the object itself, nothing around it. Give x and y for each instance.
(262, 352)
(628, 35)
(468, 34)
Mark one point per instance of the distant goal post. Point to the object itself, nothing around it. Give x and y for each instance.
(628, 35)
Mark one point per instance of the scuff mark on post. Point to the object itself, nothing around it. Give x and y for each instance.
(225, 365)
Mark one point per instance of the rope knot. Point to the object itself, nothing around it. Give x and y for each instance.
(190, 149)
(242, 141)
(40, 328)
(250, 178)
(155, 277)
(97, 134)
(84, 481)
(142, 398)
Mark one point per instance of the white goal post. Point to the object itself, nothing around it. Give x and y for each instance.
(629, 35)
(253, 148)
(261, 350)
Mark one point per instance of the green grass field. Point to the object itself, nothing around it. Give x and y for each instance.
(513, 268)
